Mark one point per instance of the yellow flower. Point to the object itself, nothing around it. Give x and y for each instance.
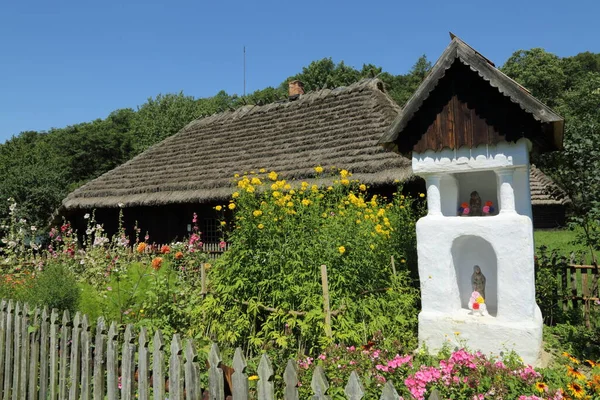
(260, 226)
(541, 387)
(231, 206)
(256, 181)
(345, 182)
(292, 191)
(273, 175)
(363, 187)
(236, 176)
(576, 389)
(372, 246)
(342, 249)
(250, 189)
(329, 188)
(421, 195)
(287, 186)
(306, 202)
(344, 174)
(304, 185)
(314, 188)
(257, 213)
(218, 208)
(223, 223)
(318, 169)
(141, 247)
(253, 378)
(479, 300)
(290, 204)
(262, 170)
(403, 261)
(235, 195)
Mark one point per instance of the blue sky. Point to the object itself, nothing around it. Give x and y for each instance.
(68, 61)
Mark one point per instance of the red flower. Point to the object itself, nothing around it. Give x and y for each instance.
(178, 255)
(489, 203)
(464, 205)
(165, 249)
(157, 263)
(475, 306)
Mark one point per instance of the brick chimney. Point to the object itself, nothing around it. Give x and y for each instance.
(296, 88)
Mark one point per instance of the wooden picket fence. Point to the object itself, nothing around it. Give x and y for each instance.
(576, 283)
(44, 358)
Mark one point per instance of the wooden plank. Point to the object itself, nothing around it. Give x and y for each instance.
(86, 360)
(176, 369)
(53, 367)
(3, 316)
(17, 350)
(99, 349)
(192, 372)
(326, 307)
(65, 339)
(158, 365)
(34, 356)
(389, 392)
(354, 390)
(239, 377)
(74, 365)
(265, 386)
(24, 371)
(143, 366)
(112, 363)
(127, 364)
(319, 384)
(216, 386)
(290, 378)
(564, 289)
(44, 353)
(8, 350)
(574, 287)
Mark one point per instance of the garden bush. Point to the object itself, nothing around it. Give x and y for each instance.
(266, 290)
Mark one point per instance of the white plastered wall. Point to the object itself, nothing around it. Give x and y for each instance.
(448, 246)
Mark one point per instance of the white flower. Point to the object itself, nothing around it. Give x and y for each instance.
(121, 205)
(86, 216)
(23, 221)
(12, 243)
(89, 231)
(33, 228)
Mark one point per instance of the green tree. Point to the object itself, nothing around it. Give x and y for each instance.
(539, 71)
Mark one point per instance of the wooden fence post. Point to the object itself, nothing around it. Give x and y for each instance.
(158, 365)
(265, 386)
(143, 365)
(3, 317)
(354, 389)
(216, 386)
(8, 350)
(34, 356)
(239, 378)
(65, 335)
(319, 384)
(326, 308)
(44, 353)
(192, 382)
(389, 392)
(17, 350)
(86, 359)
(127, 364)
(112, 361)
(175, 369)
(290, 377)
(53, 355)
(75, 358)
(99, 349)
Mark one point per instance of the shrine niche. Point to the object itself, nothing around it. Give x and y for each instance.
(469, 130)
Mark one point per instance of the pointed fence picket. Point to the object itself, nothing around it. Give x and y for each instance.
(42, 358)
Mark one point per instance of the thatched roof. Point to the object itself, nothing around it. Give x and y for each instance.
(337, 127)
(544, 191)
(459, 51)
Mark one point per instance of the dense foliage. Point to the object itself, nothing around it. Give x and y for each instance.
(267, 288)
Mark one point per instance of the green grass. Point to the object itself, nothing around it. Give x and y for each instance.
(560, 240)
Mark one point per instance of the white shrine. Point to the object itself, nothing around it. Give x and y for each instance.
(470, 130)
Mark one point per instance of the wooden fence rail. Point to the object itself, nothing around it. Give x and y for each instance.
(41, 358)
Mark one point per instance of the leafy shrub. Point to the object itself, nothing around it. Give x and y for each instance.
(56, 287)
(267, 288)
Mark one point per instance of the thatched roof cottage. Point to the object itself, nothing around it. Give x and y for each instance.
(192, 170)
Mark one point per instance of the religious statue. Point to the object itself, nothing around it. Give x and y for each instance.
(478, 281)
(475, 207)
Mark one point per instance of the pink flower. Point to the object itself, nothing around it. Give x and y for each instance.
(466, 211)
(222, 244)
(486, 209)
(322, 357)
